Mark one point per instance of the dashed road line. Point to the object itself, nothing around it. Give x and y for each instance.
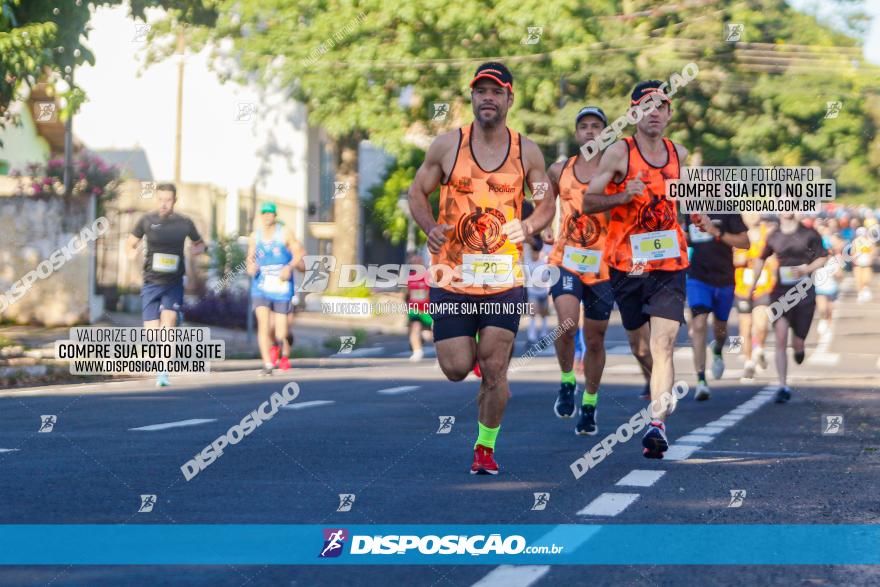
(312, 404)
(640, 478)
(513, 576)
(609, 504)
(400, 389)
(178, 424)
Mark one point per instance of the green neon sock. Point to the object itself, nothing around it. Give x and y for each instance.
(568, 377)
(590, 399)
(487, 436)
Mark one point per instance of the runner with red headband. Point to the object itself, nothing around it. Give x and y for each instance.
(482, 170)
(645, 246)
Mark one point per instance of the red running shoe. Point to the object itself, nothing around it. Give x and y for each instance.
(284, 364)
(273, 355)
(484, 461)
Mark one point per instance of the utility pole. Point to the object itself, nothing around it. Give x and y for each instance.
(179, 133)
(560, 146)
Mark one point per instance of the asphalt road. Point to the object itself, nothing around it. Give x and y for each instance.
(368, 426)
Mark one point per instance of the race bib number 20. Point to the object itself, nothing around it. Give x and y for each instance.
(496, 270)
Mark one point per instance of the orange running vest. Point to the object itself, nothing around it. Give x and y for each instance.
(649, 212)
(478, 203)
(578, 231)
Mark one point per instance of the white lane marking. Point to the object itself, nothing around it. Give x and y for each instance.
(708, 430)
(396, 390)
(624, 369)
(733, 419)
(179, 424)
(695, 439)
(513, 576)
(640, 478)
(302, 405)
(363, 352)
(609, 504)
(679, 452)
(8, 449)
(824, 359)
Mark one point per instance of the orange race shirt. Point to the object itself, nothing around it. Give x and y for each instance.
(647, 228)
(581, 238)
(478, 202)
(745, 260)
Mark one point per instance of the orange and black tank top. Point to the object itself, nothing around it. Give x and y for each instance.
(581, 237)
(647, 228)
(478, 202)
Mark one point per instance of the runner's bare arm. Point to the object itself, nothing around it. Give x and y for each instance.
(299, 253)
(131, 246)
(251, 260)
(539, 182)
(613, 162)
(427, 178)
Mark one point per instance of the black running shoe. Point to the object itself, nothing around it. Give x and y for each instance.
(799, 356)
(564, 406)
(783, 395)
(654, 441)
(586, 425)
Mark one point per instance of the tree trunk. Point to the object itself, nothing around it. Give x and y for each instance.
(346, 205)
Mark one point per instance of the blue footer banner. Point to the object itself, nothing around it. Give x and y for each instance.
(568, 544)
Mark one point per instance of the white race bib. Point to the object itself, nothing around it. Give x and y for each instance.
(749, 277)
(786, 276)
(496, 270)
(581, 260)
(165, 263)
(418, 295)
(699, 236)
(863, 260)
(650, 246)
(274, 284)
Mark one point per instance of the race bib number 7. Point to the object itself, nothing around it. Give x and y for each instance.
(165, 263)
(581, 260)
(496, 270)
(650, 246)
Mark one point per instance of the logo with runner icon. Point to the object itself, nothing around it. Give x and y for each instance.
(334, 541)
(481, 230)
(582, 229)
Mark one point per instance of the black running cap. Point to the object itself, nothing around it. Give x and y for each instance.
(496, 72)
(644, 89)
(591, 111)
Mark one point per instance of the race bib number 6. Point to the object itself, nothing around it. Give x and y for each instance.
(662, 244)
(488, 269)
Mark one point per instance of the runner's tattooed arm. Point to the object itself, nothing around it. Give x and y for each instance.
(427, 178)
(613, 164)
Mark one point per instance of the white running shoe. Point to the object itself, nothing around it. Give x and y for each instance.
(823, 326)
(762, 360)
(162, 380)
(417, 355)
(749, 371)
(717, 362)
(703, 392)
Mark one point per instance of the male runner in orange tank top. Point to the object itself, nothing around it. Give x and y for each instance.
(646, 246)
(584, 277)
(482, 170)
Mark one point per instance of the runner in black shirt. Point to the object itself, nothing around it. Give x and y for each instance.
(164, 261)
(710, 284)
(800, 252)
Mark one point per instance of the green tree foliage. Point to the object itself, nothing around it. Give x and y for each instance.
(48, 39)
